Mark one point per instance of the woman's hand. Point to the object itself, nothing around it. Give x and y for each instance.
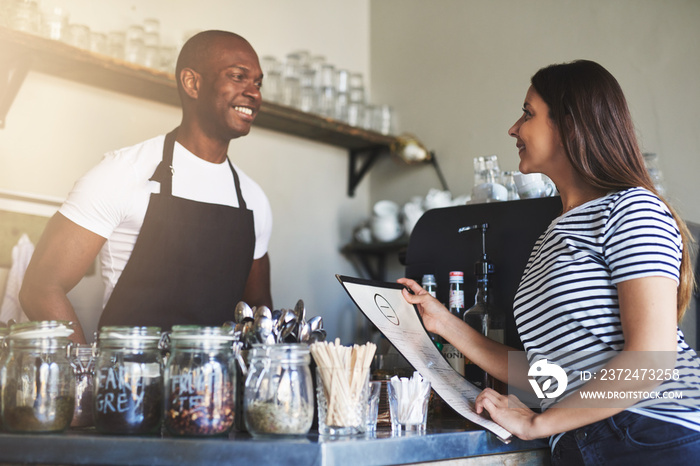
(510, 413)
(429, 308)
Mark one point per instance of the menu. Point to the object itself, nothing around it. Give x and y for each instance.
(384, 305)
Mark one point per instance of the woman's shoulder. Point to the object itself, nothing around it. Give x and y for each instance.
(636, 200)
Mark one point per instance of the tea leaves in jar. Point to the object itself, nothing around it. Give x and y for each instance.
(128, 381)
(199, 381)
(199, 404)
(37, 378)
(279, 398)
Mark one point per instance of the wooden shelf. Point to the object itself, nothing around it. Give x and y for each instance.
(21, 52)
(62, 60)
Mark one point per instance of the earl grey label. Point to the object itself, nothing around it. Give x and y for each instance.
(118, 391)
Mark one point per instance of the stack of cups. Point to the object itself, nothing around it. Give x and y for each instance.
(356, 105)
(326, 92)
(342, 98)
(272, 70)
(151, 43)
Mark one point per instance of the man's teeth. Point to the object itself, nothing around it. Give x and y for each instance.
(245, 110)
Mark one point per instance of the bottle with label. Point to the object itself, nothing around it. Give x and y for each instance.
(457, 293)
(482, 316)
(429, 284)
(456, 306)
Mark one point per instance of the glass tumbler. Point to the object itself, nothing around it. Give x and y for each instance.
(341, 410)
(409, 408)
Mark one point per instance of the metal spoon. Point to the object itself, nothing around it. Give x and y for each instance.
(262, 311)
(317, 335)
(242, 310)
(262, 327)
(304, 332)
(316, 323)
(288, 330)
(300, 310)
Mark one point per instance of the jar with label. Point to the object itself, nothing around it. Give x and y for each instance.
(83, 361)
(128, 380)
(279, 394)
(200, 377)
(38, 387)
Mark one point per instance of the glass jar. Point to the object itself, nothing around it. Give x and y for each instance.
(200, 376)
(128, 380)
(279, 395)
(83, 360)
(38, 387)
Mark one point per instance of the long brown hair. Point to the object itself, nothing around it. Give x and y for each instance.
(589, 108)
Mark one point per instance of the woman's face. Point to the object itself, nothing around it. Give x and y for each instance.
(537, 139)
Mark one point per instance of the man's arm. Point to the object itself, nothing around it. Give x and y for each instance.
(257, 288)
(61, 258)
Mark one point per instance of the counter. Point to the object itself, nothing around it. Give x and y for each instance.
(89, 447)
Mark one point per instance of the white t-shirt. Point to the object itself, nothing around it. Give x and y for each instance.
(112, 198)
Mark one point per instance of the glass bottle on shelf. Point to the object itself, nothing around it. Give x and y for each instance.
(456, 306)
(482, 316)
(511, 187)
(429, 284)
(487, 176)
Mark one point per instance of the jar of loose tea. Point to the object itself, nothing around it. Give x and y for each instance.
(83, 361)
(279, 395)
(128, 396)
(38, 387)
(200, 376)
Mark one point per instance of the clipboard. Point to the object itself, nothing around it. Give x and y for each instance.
(385, 307)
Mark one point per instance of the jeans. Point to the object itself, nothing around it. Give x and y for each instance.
(628, 439)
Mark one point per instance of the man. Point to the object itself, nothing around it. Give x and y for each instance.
(182, 234)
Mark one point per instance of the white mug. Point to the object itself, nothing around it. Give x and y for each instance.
(385, 229)
(531, 185)
(386, 208)
(489, 192)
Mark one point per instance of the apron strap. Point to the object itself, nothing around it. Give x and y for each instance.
(164, 170)
(237, 182)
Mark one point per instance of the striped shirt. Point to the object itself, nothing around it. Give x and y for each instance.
(566, 307)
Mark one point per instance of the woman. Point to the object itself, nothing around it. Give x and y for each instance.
(602, 293)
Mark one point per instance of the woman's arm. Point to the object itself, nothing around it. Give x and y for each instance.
(488, 354)
(648, 317)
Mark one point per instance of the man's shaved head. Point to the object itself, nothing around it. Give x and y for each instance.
(201, 48)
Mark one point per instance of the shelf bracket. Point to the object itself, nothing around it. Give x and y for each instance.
(355, 172)
(13, 70)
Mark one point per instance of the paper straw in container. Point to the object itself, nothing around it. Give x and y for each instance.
(344, 372)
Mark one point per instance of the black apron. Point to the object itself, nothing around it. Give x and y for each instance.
(190, 262)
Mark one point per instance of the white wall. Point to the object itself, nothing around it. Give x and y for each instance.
(57, 129)
(457, 72)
